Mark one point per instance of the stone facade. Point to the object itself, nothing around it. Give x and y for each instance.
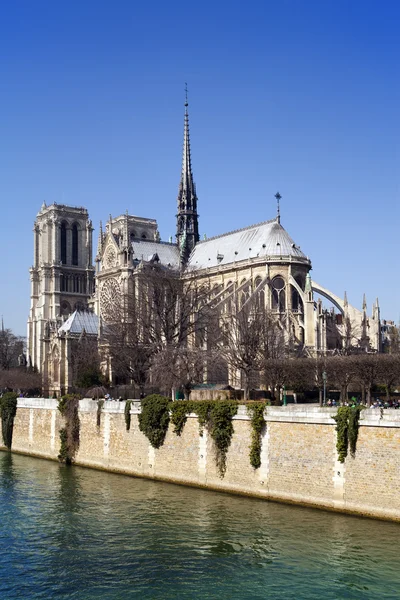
(299, 459)
(62, 281)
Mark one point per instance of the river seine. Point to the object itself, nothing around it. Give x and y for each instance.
(68, 532)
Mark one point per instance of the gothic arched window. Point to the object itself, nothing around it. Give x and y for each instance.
(75, 244)
(278, 294)
(63, 243)
(260, 296)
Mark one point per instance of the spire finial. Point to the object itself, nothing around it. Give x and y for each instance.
(186, 95)
(278, 207)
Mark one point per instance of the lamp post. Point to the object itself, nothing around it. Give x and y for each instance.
(324, 381)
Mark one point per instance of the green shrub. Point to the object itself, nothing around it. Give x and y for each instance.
(256, 412)
(347, 425)
(216, 416)
(8, 409)
(127, 413)
(179, 413)
(68, 406)
(100, 404)
(154, 419)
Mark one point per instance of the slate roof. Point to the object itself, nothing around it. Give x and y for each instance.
(80, 321)
(268, 239)
(145, 250)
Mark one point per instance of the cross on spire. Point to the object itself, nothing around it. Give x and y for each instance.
(278, 208)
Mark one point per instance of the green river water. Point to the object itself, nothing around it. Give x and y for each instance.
(69, 532)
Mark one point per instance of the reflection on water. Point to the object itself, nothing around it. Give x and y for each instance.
(77, 533)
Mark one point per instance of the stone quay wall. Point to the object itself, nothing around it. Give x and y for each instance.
(298, 456)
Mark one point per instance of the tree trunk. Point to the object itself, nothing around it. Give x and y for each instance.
(368, 390)
(246, 387)
(387, 393)
(320, 396)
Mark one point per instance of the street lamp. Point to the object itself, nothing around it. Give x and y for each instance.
(324, 377)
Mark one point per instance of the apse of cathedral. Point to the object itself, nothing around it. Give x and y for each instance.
(71, 297)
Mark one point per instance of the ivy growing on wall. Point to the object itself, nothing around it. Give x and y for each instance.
(347, 426)
(256, 412)
(221, 429)
(127, 413)
(216, 416)
(68, 406)
(179, 414)
(8, 410)
(100, 405)
(154, 419)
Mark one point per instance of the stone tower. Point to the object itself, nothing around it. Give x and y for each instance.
(61, 276)
(187, 233)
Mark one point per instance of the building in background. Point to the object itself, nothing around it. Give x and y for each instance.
(260, 259)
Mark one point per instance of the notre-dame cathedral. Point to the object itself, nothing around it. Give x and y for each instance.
(70, 296)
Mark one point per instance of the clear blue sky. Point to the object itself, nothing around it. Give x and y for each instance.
(300, 97)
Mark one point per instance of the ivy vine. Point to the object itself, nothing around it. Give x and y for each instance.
(256, 412)
(216, 416)
(127, 413)
(8, 410)
(100, 405)
(179, 414)
(347, 426)
(221, 430)
(68, 406)
(154, 419)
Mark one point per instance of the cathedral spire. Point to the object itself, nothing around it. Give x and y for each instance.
(187, 232)
(100, 241)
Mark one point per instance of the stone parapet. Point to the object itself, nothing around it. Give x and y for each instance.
(298, 453)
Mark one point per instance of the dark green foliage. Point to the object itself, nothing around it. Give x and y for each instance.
(256, 412)
(354, 425)
(8, 409)
(127, 413)
(100, 404)
(89, 377)
(216, 415)
(347, 426)
(68, 406)
(202, 409)
(221, 429)
(63, 454)
(179, 413)
(154, 419)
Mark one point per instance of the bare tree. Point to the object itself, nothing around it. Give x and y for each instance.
(388, 372)
(341, 372)
(11, 347)
(241, 340)
(181, 368)
(367, 373)
(277, 374)
(20, 379)
(164, 312)
(85, 362)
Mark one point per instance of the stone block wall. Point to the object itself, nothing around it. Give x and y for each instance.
(298, 456)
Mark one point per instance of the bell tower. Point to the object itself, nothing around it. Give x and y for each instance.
(61, 276)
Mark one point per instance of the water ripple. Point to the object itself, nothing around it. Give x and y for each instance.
(75, 533)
